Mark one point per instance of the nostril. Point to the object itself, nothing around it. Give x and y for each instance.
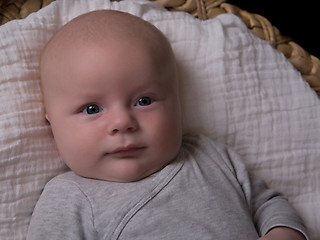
(130, 129)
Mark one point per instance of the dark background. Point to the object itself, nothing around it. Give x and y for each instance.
(297, 19)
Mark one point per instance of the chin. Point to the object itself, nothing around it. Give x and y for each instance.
(134, 176)
(125, 172)
(123, 177)
(127, 179)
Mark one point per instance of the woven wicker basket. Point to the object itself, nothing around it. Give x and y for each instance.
(308, 65)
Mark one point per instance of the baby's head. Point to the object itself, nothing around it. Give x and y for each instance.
(111, 96)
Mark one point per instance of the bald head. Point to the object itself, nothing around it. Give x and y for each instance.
(107, 25)
(104, 28)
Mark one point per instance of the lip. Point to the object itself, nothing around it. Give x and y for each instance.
(127, 151)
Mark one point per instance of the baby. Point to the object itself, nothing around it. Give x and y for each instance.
(111, 95)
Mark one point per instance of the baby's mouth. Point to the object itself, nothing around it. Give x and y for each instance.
(127, 151)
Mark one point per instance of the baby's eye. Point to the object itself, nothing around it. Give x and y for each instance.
(92, 109)
(144, 101)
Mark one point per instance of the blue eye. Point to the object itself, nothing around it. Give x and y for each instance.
(92, 109)
(144, 101)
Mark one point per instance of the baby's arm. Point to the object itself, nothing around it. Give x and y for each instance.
(272, 213)
(270, 210)
(283, 233)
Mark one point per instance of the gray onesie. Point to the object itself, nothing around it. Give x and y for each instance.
(206, 193)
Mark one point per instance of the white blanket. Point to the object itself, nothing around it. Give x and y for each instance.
(235, 88)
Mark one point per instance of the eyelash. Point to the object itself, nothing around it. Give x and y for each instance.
(95, 109)
(92, 107)
(144, 101)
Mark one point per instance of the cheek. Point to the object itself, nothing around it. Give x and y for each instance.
(164, 129)
(74, 145)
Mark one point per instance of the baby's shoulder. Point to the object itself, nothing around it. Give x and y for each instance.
(69, 182)
(64, 179)
(61, 184)
(208, 152)
(199, 143)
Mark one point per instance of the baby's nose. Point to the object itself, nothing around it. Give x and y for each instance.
(122, 122)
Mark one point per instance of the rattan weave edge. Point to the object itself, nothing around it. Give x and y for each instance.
(305, 63)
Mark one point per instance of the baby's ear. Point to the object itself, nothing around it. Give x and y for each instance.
(47, 117)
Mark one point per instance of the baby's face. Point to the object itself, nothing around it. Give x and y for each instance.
(115, 114)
